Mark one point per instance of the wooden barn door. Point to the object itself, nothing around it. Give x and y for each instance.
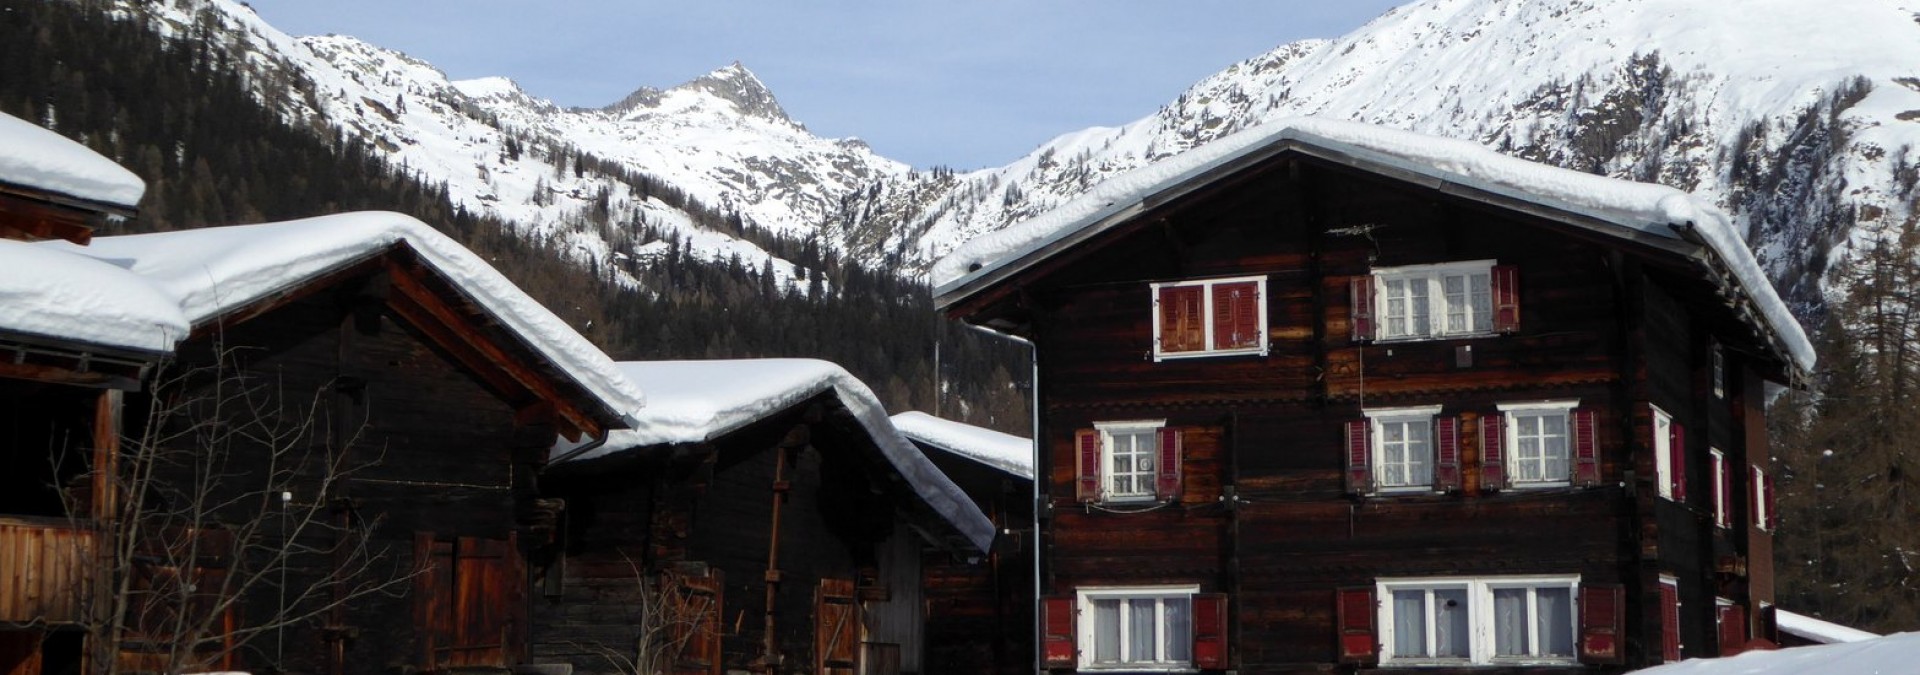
(696, 602)
(467, 601)
(177, 591)
(836, 629)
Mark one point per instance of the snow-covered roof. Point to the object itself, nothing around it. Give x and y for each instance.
(33, 157)
(193, 276)
(69, 297)
(1640, 210)
(1824, 632)
(1005, 452)
(1891, 655)
(700, 401)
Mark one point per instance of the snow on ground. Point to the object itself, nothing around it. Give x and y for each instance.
(1645, 207)
(1891, 655)
(1824, 632)
(198, 275)
(1005, 452)
(699, 401)
(43, 160)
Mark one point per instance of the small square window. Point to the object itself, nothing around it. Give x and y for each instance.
(1402, 442)
(1210, 317)
(1540, 439)
(1129, 452)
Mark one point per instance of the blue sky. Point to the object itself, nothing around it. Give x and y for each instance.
(960, 83)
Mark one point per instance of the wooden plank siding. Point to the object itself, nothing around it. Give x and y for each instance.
(1266, 515)
(48, 565)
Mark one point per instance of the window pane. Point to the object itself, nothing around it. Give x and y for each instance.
(1456, 301)
(1179, 627)
(1106, 630)
(1418, 304)
(1510, 622)
(1555, 621)
(1140, 612)
(1450, 623)
(1419, 435)
(1409, 623)
(1482, 303)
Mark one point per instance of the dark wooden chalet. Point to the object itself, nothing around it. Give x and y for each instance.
(765, 513)
(1333, 397)
(980, 607)
(60, 394)
(372, 344)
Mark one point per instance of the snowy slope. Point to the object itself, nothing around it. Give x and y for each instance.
(720, 140)
(1799, 118)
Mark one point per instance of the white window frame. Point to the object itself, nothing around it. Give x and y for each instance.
(1663, 452)
(1377, 418)
(1722, 509)
(1438, 307)
(1088, 630)
(1206, 304)
(1107, 473)
(1759, 489)
(1511, 444)
(1482, 642)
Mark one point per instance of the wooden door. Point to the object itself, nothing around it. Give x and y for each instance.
(696, 603)
(467, 602)
(836, 628)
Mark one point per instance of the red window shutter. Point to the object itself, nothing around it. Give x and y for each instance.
(1354, 613)
(1236, 315)
(1057, 617)
(1359, 457)
(1669, 623)
(1446, 460)
(1493, 457)
(1086, 443)
(1182, 320)
(1210, 631)
(1586, 448)
(1506, 298)
(1166, 478)
(1733, 629)
(1677, 448)
(1360, 291)
(1602, 623)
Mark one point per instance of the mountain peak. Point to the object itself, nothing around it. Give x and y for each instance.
(737, 85)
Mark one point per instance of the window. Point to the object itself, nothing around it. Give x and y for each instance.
(1137, 628)
(1722, 488)
(1209, 318)
(1761, 491)
(1128, 461)
(1669, 456)
(1719, 371)
(1540, 442)
(1402, 447)
(1492, 620)
(1430, 301)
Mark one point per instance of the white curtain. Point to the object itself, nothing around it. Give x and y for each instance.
(1106, 631)
(1451, 625)
(1510, 621)
(1179, 629)
(1140, 613)
(1555, 621)
(1410, 623)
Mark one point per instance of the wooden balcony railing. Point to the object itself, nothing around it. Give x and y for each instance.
(46, 566)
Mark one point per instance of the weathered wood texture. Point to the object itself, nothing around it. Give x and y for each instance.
(432, 450)
(46, 568)
(1265, 514)
(708, 508)
(979, 608)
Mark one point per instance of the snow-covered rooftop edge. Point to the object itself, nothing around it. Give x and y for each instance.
(207, 272)
(1824, 632)
(1006, 452)
(1890, 655)
(1645, 207)
(700, 401)
(37, 158)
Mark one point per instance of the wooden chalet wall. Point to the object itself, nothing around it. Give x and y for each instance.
(1264, 514)
(438, 465)
(707, 512)
(980, 606)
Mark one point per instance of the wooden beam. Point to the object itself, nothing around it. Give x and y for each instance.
(477, 351)
(106, 454)
(289, 295)
(58, 375)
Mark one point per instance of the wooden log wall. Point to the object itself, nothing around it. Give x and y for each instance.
(432, 450)
(1270, 428)
(980, 606)
(46, 568)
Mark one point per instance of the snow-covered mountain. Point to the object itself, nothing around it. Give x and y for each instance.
(1801, 118)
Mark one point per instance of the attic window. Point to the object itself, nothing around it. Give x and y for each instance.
(1211, 317)
(1420, 302)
